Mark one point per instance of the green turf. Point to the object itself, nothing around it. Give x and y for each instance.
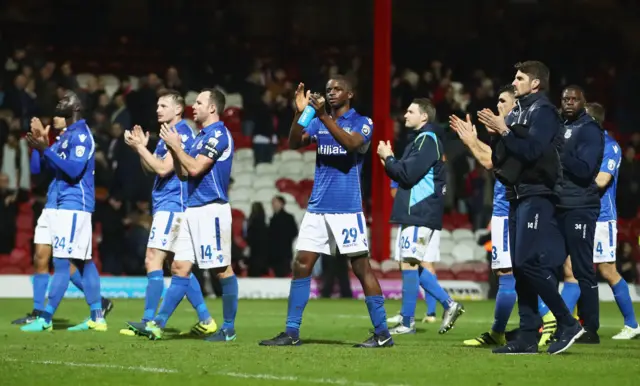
(330, 328)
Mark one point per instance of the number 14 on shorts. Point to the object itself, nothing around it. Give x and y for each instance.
(206, 253)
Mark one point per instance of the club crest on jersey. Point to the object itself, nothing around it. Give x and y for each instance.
(611, 164)
(199, 145)
(184, 137)
(366, 130)
(80, 151)
(65, 144)
(567, 134)
(331, 150)
(218, 133)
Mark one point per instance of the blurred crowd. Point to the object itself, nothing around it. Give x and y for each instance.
(259, 80)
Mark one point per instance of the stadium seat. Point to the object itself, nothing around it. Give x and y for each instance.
(291, 156)
(479, 253)
(243, 155)
(388, 266)
(446, 246)
(232, 118)
(447, 259)
(462, 252)
(459, 235)
(240, 194)
(309, 157)
(308, 171)
(480, 233)
(265, 169)
(263, 182)
(445, 235)
(24, 222)
(242, 206)
(243, 180)
(265, 194)
(375, 265)
(242, 166)
(291, 170)
(286, 185)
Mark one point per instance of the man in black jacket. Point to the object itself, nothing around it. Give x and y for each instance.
(418, 207)
(579, 205)
(537, 249)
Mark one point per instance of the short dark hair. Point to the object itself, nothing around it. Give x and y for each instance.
(217, 98)
(174, 96)
(596, 111)
(344, 80)
(281, 199)
(575, 87)
(508, 88)
(426, 107)
(535, 70)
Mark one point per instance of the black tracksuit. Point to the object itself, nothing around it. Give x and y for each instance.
(579, 207)
(531, 149)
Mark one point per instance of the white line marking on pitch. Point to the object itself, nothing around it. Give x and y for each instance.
(99, 366)
(299, 379)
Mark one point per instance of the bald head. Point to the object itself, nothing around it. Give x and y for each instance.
(573, 102)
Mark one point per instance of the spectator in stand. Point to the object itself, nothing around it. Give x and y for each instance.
(45, 88)
(626, 264)
(264, 137)
(15, 165)
(174, 82)
(258, 239)
(67, 78)
(8, 215)
(121, 114)
(111, 216)
(21, 101)
(629, 184)
(282, 231)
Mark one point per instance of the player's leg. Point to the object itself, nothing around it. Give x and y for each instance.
(313, 240)
(76, 280)
(397, 318)
(41, 260)
(180, 279)
(571, 289)
(229, 283)
(580, 234)
(206, 325)
(430, 301)
(349, 232)
(78, 249)
(61, 270)
(410, 288)
(604, 255)
(506, 296)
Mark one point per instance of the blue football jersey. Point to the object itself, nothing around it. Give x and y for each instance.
(394, 184)
(611, 161)
(52, 191)
(169, 193)
(76, 144)
(215, 142)
(336, 187)
(500, 203)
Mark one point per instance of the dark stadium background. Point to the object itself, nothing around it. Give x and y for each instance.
(457, 52)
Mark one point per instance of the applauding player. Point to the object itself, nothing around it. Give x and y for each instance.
(169, 199)
(334, 215)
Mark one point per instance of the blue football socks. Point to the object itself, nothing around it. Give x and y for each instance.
(623, 300)
(298, 299)
(91, 284)
(176, 291)
(76, 279)
(570, 294)
(155, 286)
(59, 285)
(40, 284)
(505, 300)
(410, 288)
(194, 296)
(230, 301)
(378, 315)
(430, 284)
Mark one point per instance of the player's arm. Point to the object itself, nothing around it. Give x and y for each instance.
(468, 135)
(159, 166)
(482, 153)
(581, 161)
(74, 166)
(409, 170)
(609, 165)
(394, 188)
(298, 137)
(544, 128)
(350, 141)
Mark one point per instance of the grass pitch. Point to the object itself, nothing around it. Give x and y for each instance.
(329, 329)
